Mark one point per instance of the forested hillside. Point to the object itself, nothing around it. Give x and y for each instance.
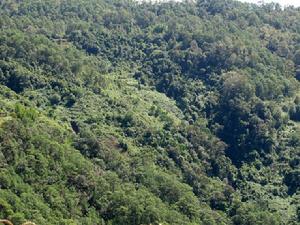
(114, 112)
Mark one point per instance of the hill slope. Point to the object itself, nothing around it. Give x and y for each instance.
(117, 112)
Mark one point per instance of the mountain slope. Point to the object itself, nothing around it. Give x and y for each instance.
(117, 112)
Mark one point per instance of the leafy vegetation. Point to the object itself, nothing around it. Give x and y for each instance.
(119, 112)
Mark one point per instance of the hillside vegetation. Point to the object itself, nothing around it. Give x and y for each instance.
(114, 112)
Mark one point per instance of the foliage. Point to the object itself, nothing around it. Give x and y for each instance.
(126, 112)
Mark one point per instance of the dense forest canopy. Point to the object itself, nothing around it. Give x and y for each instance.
(117, 112)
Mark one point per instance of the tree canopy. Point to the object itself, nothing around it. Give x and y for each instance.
(120, 112)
